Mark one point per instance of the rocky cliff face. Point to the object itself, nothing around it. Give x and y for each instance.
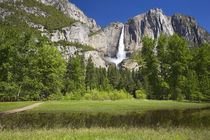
(150, 24)
(154, 22)
(72, 51)
(72, 11)
(77, 32)
(106, 40)
(187, 27)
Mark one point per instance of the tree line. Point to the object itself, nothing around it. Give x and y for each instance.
(31, 68)
(175, 71)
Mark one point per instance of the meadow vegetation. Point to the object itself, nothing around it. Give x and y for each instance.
(5, 106)
(115, 107)
(108, 133)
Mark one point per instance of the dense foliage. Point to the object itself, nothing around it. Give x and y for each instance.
(175, 71)
(30, 69)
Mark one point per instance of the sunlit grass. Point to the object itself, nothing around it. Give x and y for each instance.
(117, 107)
(5, 106)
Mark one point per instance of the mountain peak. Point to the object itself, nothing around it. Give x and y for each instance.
(154, 22)
(155, 10)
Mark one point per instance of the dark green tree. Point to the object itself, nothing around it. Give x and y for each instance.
(90, 76)
(178, 57)
(201, 65)
(114, 76)
(151, 69)
(162, 51)
(30, 70)
(74, 78)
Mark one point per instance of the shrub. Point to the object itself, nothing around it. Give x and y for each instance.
(196, 96)
(56, 96)
(88, 96)
(180, 97)
(68, 96)
(84, 48)
(141, 94)
(105, 95)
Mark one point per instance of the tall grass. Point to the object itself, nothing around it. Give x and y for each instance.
(108, 133)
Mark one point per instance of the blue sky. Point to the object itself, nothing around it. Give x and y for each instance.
(107, 11)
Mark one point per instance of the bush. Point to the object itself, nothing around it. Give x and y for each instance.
(105, 95)
(197, 96)
(55, 96)
(180, 97)
(88, 96)
(84, 48)
(73, 96)
(141, 94)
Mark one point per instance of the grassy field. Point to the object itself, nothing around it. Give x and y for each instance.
(108, 133)
(5, 106)
(116, 107)
(167, 132)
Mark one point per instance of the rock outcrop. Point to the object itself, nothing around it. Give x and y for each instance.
(72, 11)
(187, 27)
(154, 22)
(106, 40)
(150, 24)
(5, 13)
(69, 51)
(130, 64)
(98, 61)
(78, 33)
(72, 51)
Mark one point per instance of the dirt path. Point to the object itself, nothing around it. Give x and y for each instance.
(21, 109)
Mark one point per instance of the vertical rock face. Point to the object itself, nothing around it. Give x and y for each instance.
(150, 24)
(106, 40)
(77, 33)
(154, 22)
(98, 61)
(72, 11)
(187, 27)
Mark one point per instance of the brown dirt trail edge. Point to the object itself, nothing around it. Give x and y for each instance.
(21, 109)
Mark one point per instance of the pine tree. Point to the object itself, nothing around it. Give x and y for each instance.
(75, 79)
(90, 76)
(114, 76)
(201, 65)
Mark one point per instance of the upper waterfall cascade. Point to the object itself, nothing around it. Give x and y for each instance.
(121, 54)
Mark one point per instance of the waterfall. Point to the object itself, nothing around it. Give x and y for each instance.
(121, 54)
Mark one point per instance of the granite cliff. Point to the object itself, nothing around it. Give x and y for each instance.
(154, 22)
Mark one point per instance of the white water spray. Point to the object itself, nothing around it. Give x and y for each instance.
(121, 54)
